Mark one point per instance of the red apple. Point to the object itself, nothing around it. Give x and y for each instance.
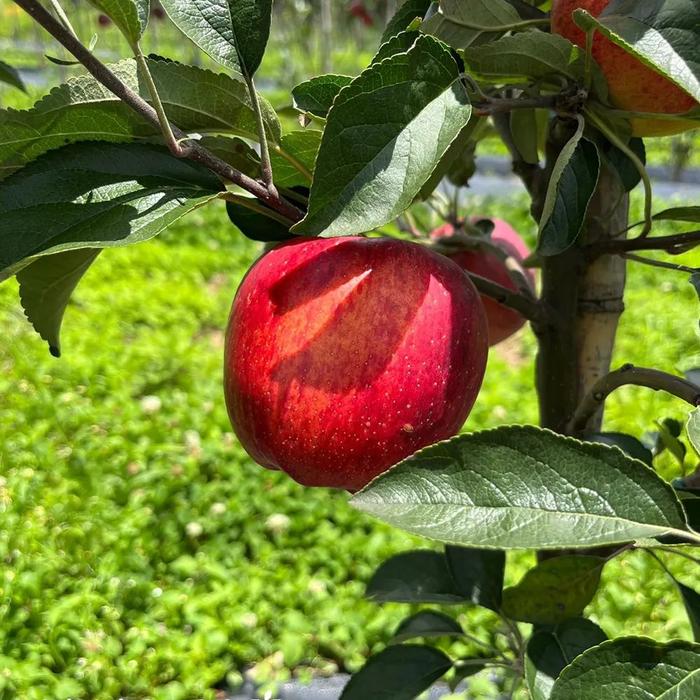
(502, 321)
(633, 86)
(345, 355)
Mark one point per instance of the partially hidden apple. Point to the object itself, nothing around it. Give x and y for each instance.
(479, 260)
(345, 355)
(634, 87)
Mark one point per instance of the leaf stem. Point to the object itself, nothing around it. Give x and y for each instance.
(658, 263)
(265, 162)
(674, 245)
(60, 13)
(588, 64)
(641, 169)
(106, 77)
(631, 375)
(174, 145)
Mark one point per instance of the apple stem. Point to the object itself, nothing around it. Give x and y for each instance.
(630, 375)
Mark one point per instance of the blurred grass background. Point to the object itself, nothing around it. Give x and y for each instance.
(144, 555)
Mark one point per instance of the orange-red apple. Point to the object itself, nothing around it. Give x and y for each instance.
(502, 321)
(345, 355)
(634, 87)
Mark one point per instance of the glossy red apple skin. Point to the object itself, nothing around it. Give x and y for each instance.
(633, 86)
(345, 355)
(502, 321)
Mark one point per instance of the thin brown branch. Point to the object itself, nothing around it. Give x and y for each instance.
(675, 244)
(658, 263)
(631, 375)
(105, 76)
(531, 309)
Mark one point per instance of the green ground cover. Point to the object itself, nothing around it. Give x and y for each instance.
(145, 555)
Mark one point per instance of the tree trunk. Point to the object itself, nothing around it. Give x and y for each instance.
(587, 300)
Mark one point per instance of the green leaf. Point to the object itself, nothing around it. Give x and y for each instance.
(628, 668)
(45, 286)
(234, 151)
(10, 76)
(397, 44)
(409, 11)
(232, 32)
(421, 576)
(555, 590)
(693, 428)
(196, 100)
(670, 441)
(130, 16)
(551, 649)
(625, 168)
(627, 443)
(664, 39)
(462, 24)
(293, 161)
(571, 186)
(523, 487)
(528, 56)
(689, 214)
(316, 95)
(427, 623)
(96, 195)
(395, 149)
(398, 673)
(691, 600)
(254, 221)
(524, 129)
(478, 574)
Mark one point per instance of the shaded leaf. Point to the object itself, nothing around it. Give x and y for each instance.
(96, 195)
(260, 223)
(573, 181)
(11, 76)
(552, 648)
(689, 214)
(693, 428)
(317, 94)
(524, 129)
(628, 668)
(625, 168)
(407, 12)
(421, 576)
(555, 590)
(196, 100)
(691, 600)
(397, 44)
(45, 286)
(397, 119)
(478, 574)
(398, 673)
(461, 24)
(427, 623)
(294, 159)
(523, 487)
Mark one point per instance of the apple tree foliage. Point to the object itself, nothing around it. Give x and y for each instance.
(117, 154)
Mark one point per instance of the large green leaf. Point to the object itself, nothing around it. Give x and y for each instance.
(11, 76)
(526, 56)
(461, 24)
(196, 100)
(427, 623)
(571, 186)
(400, 672)
(232, 32)
(478, 574)
(409, 10)
(663, 35)
(293, 161)
(632, 668)
(693, 428)
(45, 286)
(317, 94)
(421, 576)
(555, 590)
(130, 16)
(385, 134)
(523, 487)
(96, 195)
(551, 649)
